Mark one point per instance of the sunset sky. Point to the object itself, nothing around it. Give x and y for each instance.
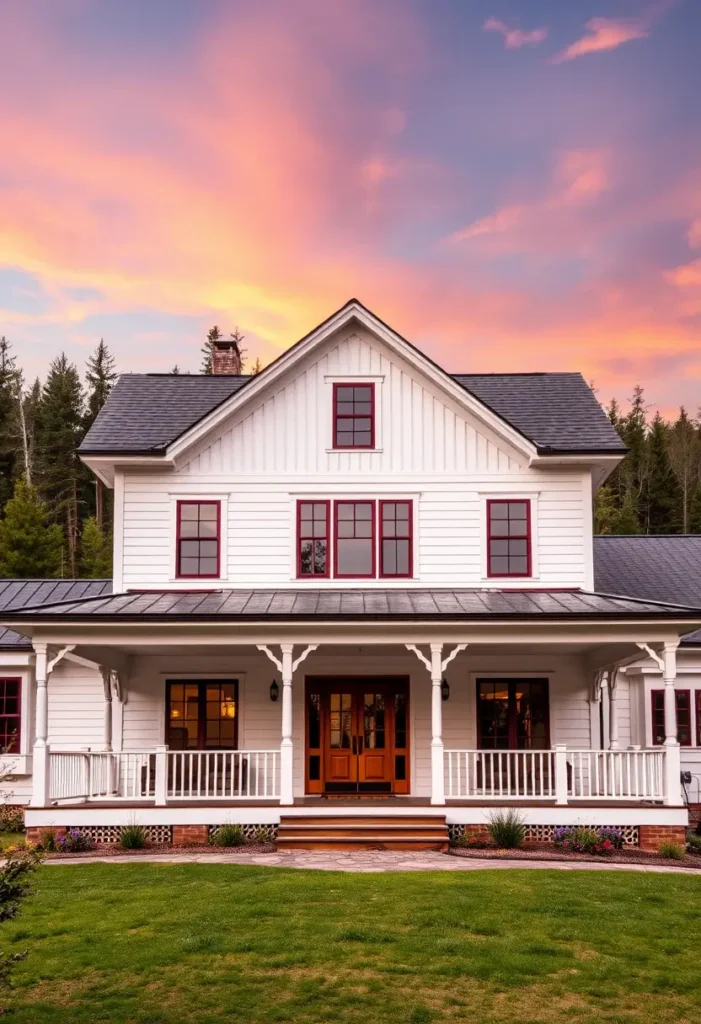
(513, 184)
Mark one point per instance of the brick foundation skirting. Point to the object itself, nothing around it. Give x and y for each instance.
(652, 835)
(190, 835)
(36, 833)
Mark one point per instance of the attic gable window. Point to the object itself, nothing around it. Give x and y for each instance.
(508, 538)
(354, 415)
(198, 539)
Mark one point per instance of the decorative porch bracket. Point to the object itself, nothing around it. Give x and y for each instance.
(436, 665)
(286, 666)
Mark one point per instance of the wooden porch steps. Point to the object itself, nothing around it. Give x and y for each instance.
(363, 832)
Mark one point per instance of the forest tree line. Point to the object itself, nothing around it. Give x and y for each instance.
(55, 515)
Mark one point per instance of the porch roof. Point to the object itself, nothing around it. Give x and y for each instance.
(350, 604)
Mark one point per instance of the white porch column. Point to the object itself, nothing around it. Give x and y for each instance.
(613, 710)
(286, 745)
(605, 711)
(673, 791)
(107, 686)
(41, 760)
(437, 769)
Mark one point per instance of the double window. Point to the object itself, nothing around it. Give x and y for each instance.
(10, 712)
(198, 539)
(354, 539)
(683, 704)
(508, 538)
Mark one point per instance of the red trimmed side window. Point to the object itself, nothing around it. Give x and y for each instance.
(698, 718)
(10, 715)
(396, 539)
(313, 538)
(683, 704)
(508, 538)
(199, 540)
(354, 415)
(354, 548)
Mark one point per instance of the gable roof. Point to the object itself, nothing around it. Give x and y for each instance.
(556, 412)
(18, 594)
(661, 568)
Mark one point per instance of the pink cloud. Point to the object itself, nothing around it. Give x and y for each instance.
(515, 38)
(610, 33)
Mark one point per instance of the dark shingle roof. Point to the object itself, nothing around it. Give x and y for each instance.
(556, 411)
(18, 594)
(147, 412)
(664, 568)
(329, 605)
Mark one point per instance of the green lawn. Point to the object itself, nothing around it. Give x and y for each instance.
(194, 943)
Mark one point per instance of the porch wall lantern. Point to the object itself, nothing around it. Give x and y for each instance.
(445, 688)
(274, 691)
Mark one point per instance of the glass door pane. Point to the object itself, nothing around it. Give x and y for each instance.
(530, 702)
(493, 714)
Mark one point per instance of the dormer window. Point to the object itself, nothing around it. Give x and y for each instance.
(354, 415)
(198, 539)
(508, 538)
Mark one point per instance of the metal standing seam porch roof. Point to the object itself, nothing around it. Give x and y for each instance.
(351, 605)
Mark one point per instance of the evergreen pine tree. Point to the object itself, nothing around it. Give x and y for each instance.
(663, 493)
(29, 546)
(8, 385)
(60, 474)
(100, 375)
(684, 450)
(95, 552)
(214, 334)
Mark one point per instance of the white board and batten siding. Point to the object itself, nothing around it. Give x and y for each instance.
(428, 449)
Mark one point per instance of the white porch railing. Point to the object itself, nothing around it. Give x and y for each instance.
(164, 775)
(561, 775)
(491, 774)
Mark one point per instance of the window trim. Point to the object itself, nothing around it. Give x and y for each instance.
(382, 575)
(329, 529)
(335, 417)
(196, 576)
(656, 692)
(372, 575)
(18, 738)
(528, 538)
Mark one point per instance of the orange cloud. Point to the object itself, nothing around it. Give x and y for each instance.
(514, 38)
(604, 34)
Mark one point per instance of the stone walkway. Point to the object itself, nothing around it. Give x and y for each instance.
(370, 862)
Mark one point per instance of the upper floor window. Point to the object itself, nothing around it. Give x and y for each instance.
(10, 721)
(355, 539)
(198, 539)
(313, 538)
(395, 538)
(683, 705)
(354, 415)
(508, 538)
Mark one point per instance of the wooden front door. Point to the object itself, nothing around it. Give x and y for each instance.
(357, 736)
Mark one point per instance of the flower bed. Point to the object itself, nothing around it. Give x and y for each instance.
(545, 852)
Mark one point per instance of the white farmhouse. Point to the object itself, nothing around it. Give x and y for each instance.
(354, 602)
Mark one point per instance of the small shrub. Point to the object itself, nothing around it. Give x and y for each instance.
(470, 842)
(228, 835)
(11, 818)
(75, 841)
(133, 837)
(48, 842)
(595, 842)
(693, 844)
(507, 829)
(672, 851)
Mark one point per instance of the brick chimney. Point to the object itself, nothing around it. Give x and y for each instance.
(226, 357)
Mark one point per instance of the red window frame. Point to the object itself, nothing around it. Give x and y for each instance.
(491, 503)
(354, 416)
(698, 717)
(313, 575)
(657, 708)
(5, 733)
(373, 539)
(410, 538)
(179, 540)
